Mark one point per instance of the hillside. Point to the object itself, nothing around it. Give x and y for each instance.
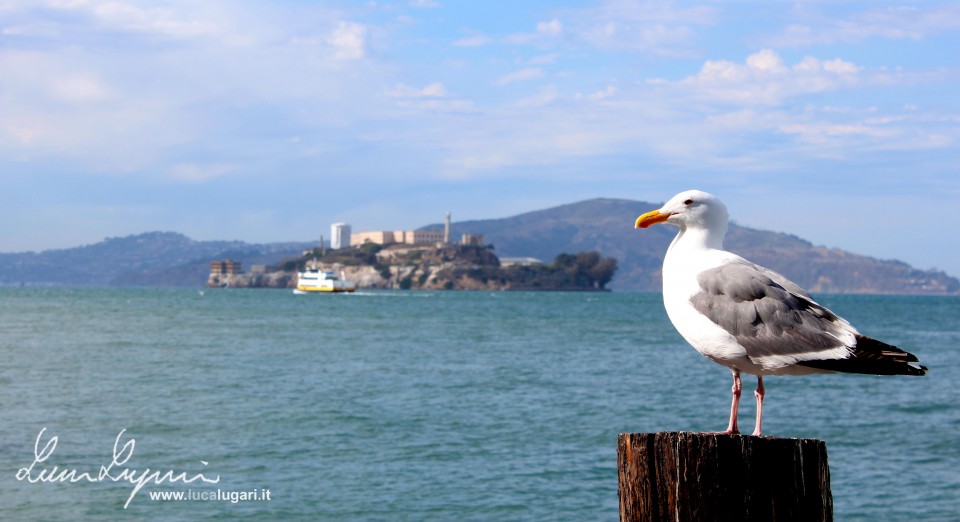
(602, 225)
(606, 225)
(150, 259)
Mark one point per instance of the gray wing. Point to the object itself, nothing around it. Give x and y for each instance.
(768, 314)
(787, 284)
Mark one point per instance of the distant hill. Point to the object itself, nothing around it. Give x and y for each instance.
(606, 225)
(150, 259)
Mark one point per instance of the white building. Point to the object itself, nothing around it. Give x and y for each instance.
(339, 235)
(414, 237)
(409, 237)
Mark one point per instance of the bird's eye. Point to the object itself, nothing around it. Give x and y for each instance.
(688, 202)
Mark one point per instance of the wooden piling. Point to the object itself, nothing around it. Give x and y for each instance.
(708, 476)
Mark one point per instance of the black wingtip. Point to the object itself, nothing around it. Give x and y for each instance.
(916, 369)
(874, 357)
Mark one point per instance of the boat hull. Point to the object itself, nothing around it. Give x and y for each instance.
(316, 281)
(316, 290)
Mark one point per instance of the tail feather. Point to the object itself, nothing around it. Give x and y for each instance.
(873, 357)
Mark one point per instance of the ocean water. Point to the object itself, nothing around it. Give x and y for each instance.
(424, 405)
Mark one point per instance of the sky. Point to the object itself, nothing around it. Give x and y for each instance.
(263, 121)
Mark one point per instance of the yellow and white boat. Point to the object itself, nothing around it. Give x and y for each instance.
(314, 280)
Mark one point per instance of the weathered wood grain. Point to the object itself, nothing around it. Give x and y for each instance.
(681, 476)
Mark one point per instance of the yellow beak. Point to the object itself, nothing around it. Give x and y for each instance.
(651, 218)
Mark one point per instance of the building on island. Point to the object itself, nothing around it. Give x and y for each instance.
(340, 236)
(413, 237)
(408, 237)
(471, 239)
(225, 267)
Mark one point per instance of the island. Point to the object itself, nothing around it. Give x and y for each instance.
(437, 266)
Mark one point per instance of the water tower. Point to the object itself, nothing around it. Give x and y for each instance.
(446, 229)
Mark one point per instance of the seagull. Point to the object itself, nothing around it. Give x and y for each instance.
(750, 318)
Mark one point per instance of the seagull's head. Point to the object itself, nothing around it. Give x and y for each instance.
(689, 209)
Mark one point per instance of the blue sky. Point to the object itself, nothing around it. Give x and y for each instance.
(267, 121)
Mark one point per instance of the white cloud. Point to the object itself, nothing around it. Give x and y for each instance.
(553, 28)
(126, 16)
(896, 23)
(349, 41)
(659, 28)
(651, 27)
(112, 94)
(667, 124)
(476, 40)
(604, 94)
(438, 105)
(80, 88)
(824, 132)
(41, 29)
(840, 67)
(525, 74)
(765, 79)
(545, 33)
(433, 90)
(552, 129)
(432, 97)
(766, 60)
(545, 96)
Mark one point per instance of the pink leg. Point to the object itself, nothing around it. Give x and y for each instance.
(735, 405)
(759, 395)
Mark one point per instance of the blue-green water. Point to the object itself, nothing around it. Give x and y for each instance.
(429, 406)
